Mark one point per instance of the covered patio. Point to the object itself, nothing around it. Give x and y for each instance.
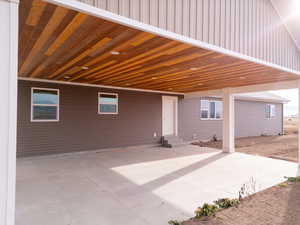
(124, 54)
(68, 42)
(135, 186)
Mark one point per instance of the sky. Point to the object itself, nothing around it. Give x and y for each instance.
(290, 108)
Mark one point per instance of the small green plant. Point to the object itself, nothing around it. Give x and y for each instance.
(174, 222)
(225, 203)
(206, 210)
(293, 179)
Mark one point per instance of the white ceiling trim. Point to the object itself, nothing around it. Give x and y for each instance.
(98, 86)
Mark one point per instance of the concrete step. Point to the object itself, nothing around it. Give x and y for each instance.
(172, 141)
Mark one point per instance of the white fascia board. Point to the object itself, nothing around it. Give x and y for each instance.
(212, 93)
(247, 89)
(266, 87)
(98, 86)
(257, 99)
(246, 98)
(97, 12)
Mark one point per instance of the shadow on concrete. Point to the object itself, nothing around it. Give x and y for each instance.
(183, 171)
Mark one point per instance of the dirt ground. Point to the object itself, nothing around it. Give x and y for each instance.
(281, 147)
(278, 205)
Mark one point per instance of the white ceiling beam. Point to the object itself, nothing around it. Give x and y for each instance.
(247, 89)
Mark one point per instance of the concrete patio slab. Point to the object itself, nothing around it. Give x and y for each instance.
(135, 186)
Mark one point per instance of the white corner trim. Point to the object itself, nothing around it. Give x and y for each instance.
(98, 86)
(97, 12)
(8, 112)
(298, 84)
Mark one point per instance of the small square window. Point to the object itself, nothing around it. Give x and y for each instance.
(108, 103)
(44, 105)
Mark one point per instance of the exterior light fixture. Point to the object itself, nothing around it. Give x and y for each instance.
(115, 53)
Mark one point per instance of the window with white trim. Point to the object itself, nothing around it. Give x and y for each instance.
(107, 103)
(44, 105)
(270, 111)
(211, 109)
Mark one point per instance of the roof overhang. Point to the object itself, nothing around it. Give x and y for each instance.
(69, 41)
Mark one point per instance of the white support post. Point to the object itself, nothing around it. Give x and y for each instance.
(228, 121)
(298, 121)
(8, 110)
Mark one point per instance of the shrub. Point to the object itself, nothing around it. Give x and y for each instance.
(225, 203)
(206, 210)
(293, 179)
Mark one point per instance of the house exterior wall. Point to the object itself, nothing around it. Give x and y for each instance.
(81, 127)
(249, 120)
(250, 27)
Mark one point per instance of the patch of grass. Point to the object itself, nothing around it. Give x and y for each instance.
(282, 185)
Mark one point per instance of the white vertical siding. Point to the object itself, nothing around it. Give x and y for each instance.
(186, 17)
(251, 27)
(193, 18)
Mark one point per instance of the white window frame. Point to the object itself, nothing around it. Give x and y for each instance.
(57, 105)
(272, 109)
(117, 104)
(209, 110)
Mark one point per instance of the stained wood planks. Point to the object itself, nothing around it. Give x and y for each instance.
(61, 44)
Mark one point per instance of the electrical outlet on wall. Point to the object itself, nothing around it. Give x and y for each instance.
(194, 136)
(154, 135)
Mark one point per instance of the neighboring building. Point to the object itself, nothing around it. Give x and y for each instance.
(57, 118)
(255, 114)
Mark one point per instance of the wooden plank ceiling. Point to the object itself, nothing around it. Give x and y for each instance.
(60, 44)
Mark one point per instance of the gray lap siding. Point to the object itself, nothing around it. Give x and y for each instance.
(250, 120)
(80, 126)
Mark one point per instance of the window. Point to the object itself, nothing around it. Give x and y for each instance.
(270, 111)
(211, 109)
(44, 104)
(108, 103)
